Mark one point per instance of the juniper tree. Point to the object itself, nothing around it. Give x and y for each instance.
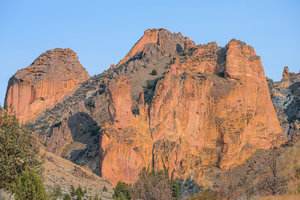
(18, 150)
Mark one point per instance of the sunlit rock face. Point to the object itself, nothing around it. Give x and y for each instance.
(211, 108)
(206, 107)
(54, 75)
(161, 39)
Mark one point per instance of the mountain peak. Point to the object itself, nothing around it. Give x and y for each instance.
(165, 41)
(51, 77)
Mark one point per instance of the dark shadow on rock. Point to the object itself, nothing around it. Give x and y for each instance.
(86, 136)
(179, 48)
(188, 188)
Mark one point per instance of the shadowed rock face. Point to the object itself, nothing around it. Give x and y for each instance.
(285, 95)
(54, 75)
(207, 106)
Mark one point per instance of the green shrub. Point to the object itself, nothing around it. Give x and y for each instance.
(154, 72)
(73, 191)
(56, 191)
(30, 186)
(104, 189)
(67, 197)
(175, 189)
(122, 191)
(205, 195)
(149, 84)
(79, 197)
(154, 185)
(79, 192)
(18, 149)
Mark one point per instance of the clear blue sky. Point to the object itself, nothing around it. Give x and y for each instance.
(102, 32)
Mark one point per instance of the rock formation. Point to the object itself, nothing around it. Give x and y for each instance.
(54, 75)
(285, 95)
(207, 106)
(126, 141)
(162, 39)
(285, 74)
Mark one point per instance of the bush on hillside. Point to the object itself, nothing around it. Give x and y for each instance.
(56, 191)
(30, 186)
(154, 185)
(122, 191)
(205, 195)
(67, 197)
(154, 72)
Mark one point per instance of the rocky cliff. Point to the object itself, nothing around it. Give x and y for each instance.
(54, 75)
(286, 98)
(205, 107)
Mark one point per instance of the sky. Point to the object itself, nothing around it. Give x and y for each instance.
(102, 32)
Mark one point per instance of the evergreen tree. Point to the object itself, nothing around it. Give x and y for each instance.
(18, 150)
(73, 191)
(67, 197)
(30, 186)
(56, 191)
(122, 191)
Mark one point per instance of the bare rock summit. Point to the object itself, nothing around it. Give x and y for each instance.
(54, 75)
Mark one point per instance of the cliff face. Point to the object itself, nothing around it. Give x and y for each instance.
(207, 106)
(285, 95)
(54, 75)
(200, 118)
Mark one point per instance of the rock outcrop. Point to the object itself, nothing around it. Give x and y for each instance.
(212, 108)
(285, 74)
(200, 119)
(154, 39)
(285, 95)
(54, 75)
(126, 142)
(207, 106)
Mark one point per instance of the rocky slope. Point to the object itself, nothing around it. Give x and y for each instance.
(207, 106)
(65, 173)
(286, 99)
(54, 75)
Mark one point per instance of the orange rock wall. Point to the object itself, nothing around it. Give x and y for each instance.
(204, 112)
(52, 76)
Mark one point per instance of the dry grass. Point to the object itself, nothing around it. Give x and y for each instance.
(282, 197)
